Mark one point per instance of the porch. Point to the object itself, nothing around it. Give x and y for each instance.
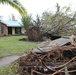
(14, 30)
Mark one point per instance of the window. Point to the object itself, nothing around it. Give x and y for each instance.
(18, 30)
(1, 29)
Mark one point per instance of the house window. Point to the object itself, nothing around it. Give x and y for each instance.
(18, 30)
(1, 29)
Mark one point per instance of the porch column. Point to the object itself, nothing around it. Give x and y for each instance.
(13, 30)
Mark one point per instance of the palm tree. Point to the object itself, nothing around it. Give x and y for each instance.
(26, 19)
(37, 22)
(15, 4)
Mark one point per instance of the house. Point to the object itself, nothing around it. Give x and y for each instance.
(10, 27)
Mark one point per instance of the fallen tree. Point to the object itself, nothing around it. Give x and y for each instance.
(34, 34)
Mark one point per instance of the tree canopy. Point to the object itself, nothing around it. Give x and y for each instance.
(62, 21)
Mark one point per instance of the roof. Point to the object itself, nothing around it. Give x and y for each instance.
(12, 23)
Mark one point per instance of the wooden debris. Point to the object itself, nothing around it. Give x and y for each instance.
(50, 59)
(73, 40)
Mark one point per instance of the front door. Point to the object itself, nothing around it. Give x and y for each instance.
(9, 30)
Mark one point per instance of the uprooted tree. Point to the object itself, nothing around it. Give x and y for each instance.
(32, 30)
(34, 33)
(61, 22)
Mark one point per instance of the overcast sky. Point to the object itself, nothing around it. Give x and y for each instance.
(35, 7)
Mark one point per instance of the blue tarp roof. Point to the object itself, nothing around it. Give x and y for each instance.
(12, 23)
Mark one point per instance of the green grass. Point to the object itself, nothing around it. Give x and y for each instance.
(11, 69)
(10, 45)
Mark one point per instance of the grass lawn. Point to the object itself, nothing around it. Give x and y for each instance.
(11, 69)
(10, 45)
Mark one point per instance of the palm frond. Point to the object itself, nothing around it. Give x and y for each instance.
(15, 4)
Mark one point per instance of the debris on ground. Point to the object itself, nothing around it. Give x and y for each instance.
(58, 57)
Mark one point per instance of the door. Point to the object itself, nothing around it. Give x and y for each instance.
(9, 30)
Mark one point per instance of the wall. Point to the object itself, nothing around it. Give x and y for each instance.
(13, 30)
(5, 30)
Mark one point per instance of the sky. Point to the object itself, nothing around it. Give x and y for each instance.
(35, 7)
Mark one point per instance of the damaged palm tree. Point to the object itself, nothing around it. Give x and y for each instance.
(52, 59)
